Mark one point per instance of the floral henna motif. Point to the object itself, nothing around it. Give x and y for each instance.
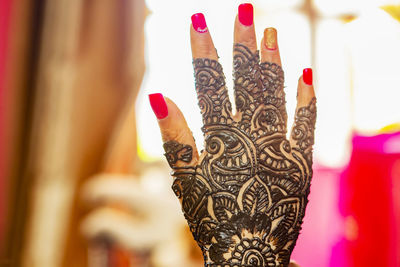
(246, 197)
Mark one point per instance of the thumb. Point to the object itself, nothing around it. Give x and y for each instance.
(179, 143)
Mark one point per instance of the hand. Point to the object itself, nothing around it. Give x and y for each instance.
(244, 197)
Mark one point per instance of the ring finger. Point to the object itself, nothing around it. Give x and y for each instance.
(269, 47)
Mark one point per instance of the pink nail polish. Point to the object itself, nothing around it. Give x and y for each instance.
(245, 14)
(199, 22)
(307, 76)
(158, 105)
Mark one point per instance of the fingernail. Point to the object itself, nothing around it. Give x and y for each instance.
(199, 22)
(158, 105)
(307, 76)
(246, 14)
(270, 38)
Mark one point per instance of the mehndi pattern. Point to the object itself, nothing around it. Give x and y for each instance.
(246, 197)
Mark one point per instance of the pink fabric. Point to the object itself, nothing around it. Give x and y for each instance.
(353, 217)
(369, 196)
(322, 224)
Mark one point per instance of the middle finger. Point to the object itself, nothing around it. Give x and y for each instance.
(247, 79)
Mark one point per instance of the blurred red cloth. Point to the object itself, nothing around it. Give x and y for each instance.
(369, 202)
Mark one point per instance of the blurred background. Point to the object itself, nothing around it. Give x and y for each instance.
(83, 181)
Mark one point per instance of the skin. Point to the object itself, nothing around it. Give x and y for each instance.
(174, 126)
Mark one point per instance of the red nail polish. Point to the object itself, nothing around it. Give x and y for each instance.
(246, 14)
(307, 76)
(199, 22)
(158, 105)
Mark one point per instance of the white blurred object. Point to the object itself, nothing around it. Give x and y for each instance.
(332, 79)
(150, 217)
(374, 41)
(339, 7)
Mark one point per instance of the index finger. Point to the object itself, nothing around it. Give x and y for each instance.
(211, 90)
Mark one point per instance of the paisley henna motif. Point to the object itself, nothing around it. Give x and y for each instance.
(245, 199)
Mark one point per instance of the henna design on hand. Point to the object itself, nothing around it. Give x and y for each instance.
(245, 199)
(175, 151)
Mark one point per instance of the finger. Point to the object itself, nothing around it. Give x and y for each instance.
(293, 264)
(200, 38)
(273, 75)
(244, 32)
(269, 47)
(305, 89)
(210, 80)
(179, 145)
(302, 135)
(247, 80)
